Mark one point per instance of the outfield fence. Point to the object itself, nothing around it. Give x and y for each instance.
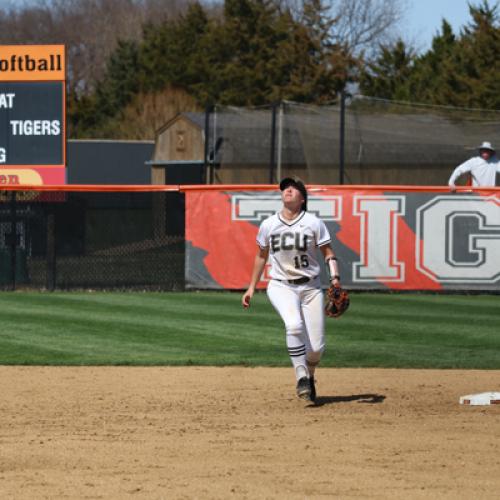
(203, 237)
(94, 237)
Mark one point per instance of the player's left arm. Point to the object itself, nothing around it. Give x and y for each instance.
(324, 242)
(331, 263)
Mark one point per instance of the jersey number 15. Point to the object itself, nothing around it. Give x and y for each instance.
(301, 261)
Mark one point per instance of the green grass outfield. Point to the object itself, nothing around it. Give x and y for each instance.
(211, 328)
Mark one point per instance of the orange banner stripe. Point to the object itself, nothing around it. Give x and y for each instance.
(92, 187)
(319, 187)
(236, 187)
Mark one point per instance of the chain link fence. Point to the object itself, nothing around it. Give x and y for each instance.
(91, 240)
(362, 140)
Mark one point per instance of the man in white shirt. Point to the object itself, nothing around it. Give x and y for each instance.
(482, 168)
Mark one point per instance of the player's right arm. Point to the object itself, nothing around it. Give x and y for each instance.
(463, 168)
(258, 267)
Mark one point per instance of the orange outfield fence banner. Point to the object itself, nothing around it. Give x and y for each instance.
(386, 237)
(204, 237)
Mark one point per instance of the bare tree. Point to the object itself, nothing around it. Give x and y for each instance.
(90, 29)
(364, 24)
(358, 25)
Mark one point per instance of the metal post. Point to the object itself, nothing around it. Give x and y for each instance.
(280, 141)
(272, 162)
(342, 138)
(13, 239)
(51, 249)
(207, 178)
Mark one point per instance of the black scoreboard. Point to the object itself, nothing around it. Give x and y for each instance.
(32, 114)
(32, 123)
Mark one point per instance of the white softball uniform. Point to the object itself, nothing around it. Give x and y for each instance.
(483, 171)
(293, 245)
(295, 288)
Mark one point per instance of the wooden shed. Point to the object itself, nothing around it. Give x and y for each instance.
(181, 140)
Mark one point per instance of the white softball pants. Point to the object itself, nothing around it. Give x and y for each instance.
(301, 309)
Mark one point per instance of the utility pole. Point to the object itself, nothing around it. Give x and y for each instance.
(342, 137)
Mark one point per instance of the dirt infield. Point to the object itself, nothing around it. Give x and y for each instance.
(151, 433)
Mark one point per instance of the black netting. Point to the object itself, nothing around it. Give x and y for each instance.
(104, 240)
(370, 141)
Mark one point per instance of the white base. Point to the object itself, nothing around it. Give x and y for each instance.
(484, 398)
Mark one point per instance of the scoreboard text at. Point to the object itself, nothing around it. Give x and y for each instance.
(32, 113)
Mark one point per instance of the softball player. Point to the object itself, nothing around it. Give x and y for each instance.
(290, 239)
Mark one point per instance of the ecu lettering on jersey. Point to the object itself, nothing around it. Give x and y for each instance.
(293, 245)
(289, 241)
